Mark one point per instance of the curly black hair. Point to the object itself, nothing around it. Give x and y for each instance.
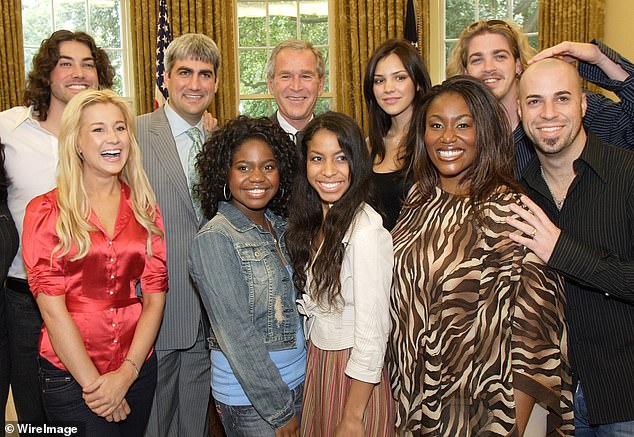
(38, 83)
(214, 161)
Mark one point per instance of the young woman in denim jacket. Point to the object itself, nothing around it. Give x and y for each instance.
(343, 260)
(239, 263)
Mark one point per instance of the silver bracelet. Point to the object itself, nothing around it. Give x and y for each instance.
(136, 369)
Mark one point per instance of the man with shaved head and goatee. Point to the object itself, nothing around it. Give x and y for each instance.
(581, 222)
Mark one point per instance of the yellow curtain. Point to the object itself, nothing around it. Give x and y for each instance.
(564, 20)
(422, 21)
(360, 27)
(12, 54)
(215, 18)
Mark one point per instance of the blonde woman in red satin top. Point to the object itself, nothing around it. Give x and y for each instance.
(95, 256)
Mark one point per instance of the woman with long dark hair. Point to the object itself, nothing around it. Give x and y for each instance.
(394, 85)
(342, 258)
(478, 331)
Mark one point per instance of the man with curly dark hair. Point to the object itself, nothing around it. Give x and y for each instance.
(66, 64)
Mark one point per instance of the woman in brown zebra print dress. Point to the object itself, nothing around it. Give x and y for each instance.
(478, 331)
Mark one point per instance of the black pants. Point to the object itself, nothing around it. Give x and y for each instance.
(63, 402)
(23, 323)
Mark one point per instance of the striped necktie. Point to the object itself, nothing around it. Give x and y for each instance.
(192, 176)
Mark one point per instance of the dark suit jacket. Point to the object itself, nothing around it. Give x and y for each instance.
(297, 136)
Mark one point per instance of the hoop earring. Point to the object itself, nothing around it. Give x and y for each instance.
(281, 192)
(224, 192)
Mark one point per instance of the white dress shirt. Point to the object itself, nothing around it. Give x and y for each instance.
(179, 129)
(31, 155)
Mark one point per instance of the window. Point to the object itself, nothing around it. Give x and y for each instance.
(458, 14)
(264, 24)
(103, 19)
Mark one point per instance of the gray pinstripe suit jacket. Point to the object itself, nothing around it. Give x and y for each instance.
(164, 169)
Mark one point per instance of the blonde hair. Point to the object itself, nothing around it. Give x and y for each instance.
(511, 32)
(73, 227)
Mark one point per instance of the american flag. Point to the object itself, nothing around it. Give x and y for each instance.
(411, 29)
(163, 39)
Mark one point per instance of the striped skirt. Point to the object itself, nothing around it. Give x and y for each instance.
(326, 391)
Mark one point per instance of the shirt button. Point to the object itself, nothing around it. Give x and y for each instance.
(111, 260)
(114, 324)
(607, 294)
(110, 309)
(115, 341)
(111, 276)
(109, 243)
(111, 292)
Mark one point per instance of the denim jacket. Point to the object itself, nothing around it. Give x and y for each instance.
(251, 306)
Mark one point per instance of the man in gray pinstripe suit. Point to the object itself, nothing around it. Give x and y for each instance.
(166, 137)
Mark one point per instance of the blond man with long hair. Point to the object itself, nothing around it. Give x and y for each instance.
(96, 262)
(497, 52)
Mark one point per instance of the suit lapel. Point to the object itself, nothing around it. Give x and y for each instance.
(167, 156)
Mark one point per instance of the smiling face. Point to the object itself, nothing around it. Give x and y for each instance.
(103, 142)
(191, 85)
(552, 107)
(296, 85)
(393, 87)
(74, 72)
(327, 168)
(490, 59)
(253, 178)
(450, 140)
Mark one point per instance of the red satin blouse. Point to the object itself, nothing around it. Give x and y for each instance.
(101, 288)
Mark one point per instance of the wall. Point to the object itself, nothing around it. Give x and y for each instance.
(618, 26)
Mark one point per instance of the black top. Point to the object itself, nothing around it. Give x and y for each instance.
(595, 253)
(390, 190)
(612, 122)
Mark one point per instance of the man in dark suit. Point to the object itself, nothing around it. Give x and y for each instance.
(295, 73)
(169, 139)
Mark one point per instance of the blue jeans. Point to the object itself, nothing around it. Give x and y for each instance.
(244, 420)
(63, 402)
(583, 428)
(23, 326)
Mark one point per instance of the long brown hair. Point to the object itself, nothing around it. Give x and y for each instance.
(379, 120)
(306, 218)
(38, 83)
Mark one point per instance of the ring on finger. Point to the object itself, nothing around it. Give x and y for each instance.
(533, 233)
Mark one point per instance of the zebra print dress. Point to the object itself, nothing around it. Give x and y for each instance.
(474, 315)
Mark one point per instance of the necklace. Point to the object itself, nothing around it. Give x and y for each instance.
(559, 202)
(277, 245)
(270, 229)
